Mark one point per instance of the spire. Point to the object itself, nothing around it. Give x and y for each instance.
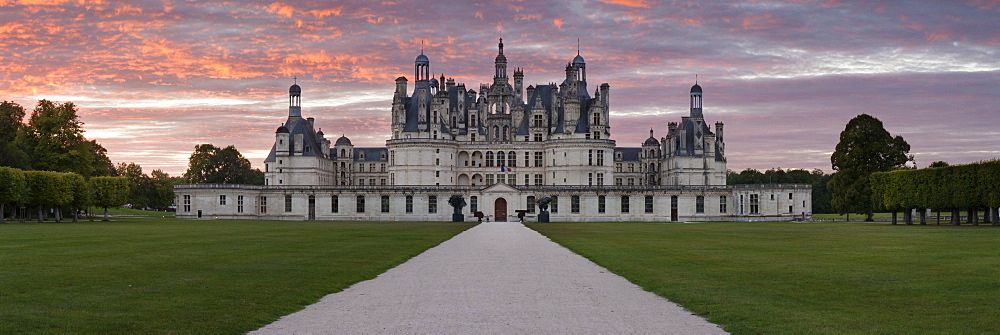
(577, 46)
(501, 45)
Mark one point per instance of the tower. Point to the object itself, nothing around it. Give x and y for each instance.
(696, 100)
(295, 100)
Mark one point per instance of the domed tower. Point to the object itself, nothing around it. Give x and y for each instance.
(651, 159)
(696, 100)
(422, 67)
(580, 66)
(501, 66)
(295, 101)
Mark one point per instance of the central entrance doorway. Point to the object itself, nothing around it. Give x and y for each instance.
(500, 210)
(312, 207)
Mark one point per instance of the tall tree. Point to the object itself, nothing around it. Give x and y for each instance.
(213, 165)
(54, 139)
(12, 186)
(11, 122)
(865, 147)
(162, 190)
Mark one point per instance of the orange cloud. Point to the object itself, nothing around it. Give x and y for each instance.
(629, 3)
(557, 22)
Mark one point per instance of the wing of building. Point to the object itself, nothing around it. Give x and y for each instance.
(503, 148)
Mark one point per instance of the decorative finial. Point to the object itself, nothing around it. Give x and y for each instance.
(696, 79)
(421, 47)
(501, 45)
(650, 132)
(296, 79)
(577, 46)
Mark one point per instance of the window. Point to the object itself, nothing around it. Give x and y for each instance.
(618, 181)
(527, 179)
(501, 158)
(741, 204)
(625, 204)
(754, 204)
(538, 159)
(531, 204)
(385, 204)
(335, 204)
(381, 167)
(409, 204)
(263, 204)
(600, 179)
(527, 159)
(597, 119)
(574, 203)
(538, 179)
(618, 167)
(600, 203)
(699, 204)
(590, 156)
(537, 118)
(474, 204)
(187, 203)
(288, 203)
(600, 157)
(437, 174)
(789, 196)
(554, 205)
(538, 137)
(239, 204)
(360, 204)
(649, 204)
(222, 200)
(381, 181)
(772, 196)
(631, 181)
(511, 159)
(432, 204)
(722, 204)
(489, 158)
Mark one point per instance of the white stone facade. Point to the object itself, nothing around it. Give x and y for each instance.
(499, 148)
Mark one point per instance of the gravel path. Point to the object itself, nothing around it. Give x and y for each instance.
(498, 277)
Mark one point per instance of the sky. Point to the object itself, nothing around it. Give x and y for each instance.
(152, 79)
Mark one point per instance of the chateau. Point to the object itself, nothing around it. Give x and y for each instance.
(502, 148)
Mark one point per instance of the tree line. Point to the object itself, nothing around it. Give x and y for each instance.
(59, 191)
(52, 143)
(952, 188)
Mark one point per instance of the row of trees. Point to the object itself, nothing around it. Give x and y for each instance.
(971, 187)
(59, 191)
(820, 193)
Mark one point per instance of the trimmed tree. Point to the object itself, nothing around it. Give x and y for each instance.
(109, 192)
(865, 147)
(12, 186)
(43, 190)
(80, 190)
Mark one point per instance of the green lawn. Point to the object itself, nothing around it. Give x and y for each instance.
(147, 275)
(807, 277)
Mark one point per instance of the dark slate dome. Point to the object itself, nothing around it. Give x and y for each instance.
(696, 88)
(651, 141)
(281, 130)
(319, 133)
(295, 90)
(578, 60)
(423, 60)
(343, 140)
(434, 82)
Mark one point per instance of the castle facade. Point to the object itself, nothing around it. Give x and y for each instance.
(502, 148)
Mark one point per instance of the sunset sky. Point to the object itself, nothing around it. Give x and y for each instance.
(152, 79)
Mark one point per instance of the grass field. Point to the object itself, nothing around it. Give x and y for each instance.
(807, 277)
(147, 275)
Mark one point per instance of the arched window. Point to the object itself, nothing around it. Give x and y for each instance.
(500, 158)
(489, 158)
(506, 133)
(511, 159)
(496, 133)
